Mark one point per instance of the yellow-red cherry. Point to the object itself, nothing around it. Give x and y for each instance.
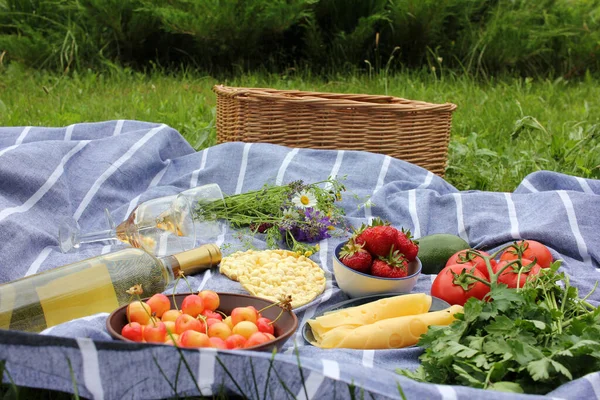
(133, 331)
(192, 305)
(159, 304)
(211, 299)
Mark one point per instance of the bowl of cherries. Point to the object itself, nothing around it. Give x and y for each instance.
(225, 321)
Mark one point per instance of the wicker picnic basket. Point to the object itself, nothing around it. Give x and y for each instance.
(413, 131)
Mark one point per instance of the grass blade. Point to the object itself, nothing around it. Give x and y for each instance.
(73, 380)
(297, 352)
(189, 370)
(231, 377)
(269, 372)
(254, 379)
(402, 395)
(14, 389)
(165, 376)
(177, 374)
(285, 387)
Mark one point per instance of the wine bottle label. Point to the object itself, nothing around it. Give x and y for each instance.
(84, 292)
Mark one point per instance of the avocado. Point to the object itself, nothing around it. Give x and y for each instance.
(436, 249)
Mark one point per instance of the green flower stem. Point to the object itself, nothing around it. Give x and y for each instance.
(267, 206)
(246, 208)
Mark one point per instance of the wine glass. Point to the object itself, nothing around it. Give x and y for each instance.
(159, 226)
(207, 226)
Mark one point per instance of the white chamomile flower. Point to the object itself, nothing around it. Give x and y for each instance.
(304, 199)
(289, 214)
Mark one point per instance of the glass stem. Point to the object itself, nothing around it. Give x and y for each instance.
(98, 236)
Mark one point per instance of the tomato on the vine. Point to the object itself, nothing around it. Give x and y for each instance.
(530, 250)
(454, 286)
(510, 276)
(472, 257)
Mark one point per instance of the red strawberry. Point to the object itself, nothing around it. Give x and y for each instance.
(354, 256)
(359, 240)
(394, 265)
(407, 246)
(356, 235)
(379, 239)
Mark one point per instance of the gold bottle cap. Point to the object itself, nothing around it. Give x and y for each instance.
(198, 259)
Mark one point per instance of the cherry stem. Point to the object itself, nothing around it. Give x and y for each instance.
(275, 320)
(203, 318)
(188, 284)
(127, 310)
(147, 312)
(173, 294)
(267, 307)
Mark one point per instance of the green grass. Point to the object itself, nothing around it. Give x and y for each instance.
(482, 37)
(503, 129)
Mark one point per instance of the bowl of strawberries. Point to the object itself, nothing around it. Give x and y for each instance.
(376, 259)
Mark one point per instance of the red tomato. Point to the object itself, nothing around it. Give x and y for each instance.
(466, 259)
(511, 274)
(529, 249)
(453, 286)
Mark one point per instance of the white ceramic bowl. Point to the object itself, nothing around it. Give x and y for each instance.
(358, 284)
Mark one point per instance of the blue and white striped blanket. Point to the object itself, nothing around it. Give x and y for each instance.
(51, 175)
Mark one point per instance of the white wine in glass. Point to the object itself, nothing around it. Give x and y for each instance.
(160, 226)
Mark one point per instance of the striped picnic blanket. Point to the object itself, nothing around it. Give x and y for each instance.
(52, 175)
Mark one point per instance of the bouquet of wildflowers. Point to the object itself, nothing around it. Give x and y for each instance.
(296, 214)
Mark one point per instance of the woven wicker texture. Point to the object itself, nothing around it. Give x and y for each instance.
(413, 131)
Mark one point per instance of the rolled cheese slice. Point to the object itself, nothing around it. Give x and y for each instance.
(353, 317)
(391, 333)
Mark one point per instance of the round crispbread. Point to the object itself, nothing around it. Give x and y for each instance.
(272, 274)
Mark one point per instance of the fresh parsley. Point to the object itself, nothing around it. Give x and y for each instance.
(528, 340)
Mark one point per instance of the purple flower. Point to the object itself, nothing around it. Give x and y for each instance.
(312, 227)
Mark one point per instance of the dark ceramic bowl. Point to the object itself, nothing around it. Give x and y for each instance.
(284, 327)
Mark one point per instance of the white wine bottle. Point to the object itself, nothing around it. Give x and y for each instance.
(94, 285)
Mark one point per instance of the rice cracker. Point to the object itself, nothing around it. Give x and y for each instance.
(271, 274)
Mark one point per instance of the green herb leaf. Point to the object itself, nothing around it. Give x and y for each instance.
(541, 369)
(511, 387)
(524, 353)
(529, 340)
(466, 376)
(500, 325)
(537, 324)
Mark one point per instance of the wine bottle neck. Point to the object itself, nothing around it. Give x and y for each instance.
(194, 261)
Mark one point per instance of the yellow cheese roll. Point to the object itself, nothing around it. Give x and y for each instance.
(391, 333)
(353, 317)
